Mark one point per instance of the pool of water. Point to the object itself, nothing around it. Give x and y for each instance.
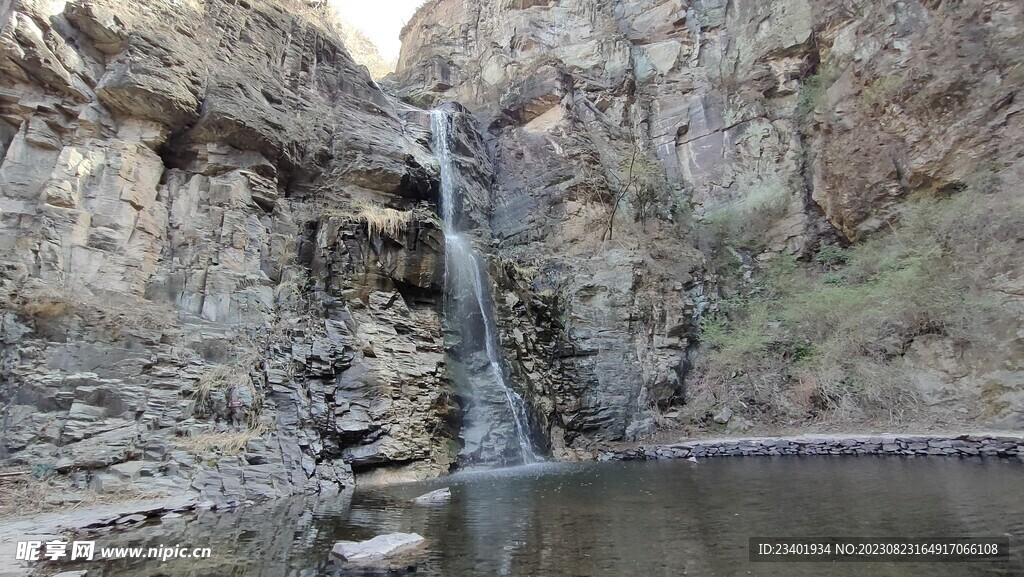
(595, 519)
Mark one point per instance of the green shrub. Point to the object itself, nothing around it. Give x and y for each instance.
(812, 93)
(831, 256)
(831, 341)
(803, 351)
(744, 224)
(881, 90)
(750, 330)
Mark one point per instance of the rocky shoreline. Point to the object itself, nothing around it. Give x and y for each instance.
(1001, 445)
(998, 445)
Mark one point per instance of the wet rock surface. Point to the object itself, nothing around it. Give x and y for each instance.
(383, 551)
(434, 497)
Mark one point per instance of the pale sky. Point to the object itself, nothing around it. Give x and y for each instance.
(380, 20)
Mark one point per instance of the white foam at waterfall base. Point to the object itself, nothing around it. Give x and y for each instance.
(464, 270)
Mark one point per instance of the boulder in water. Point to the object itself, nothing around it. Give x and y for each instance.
(388, 551)
(434, 497)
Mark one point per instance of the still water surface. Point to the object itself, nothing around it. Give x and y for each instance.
(613, 519)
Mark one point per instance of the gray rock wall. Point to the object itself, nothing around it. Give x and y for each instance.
(192, 298)
(596, 330)
(825, 117)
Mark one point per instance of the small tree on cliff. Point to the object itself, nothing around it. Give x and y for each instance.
(645, 178)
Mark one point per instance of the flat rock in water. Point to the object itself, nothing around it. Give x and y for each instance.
(439, 496)
(382, 551)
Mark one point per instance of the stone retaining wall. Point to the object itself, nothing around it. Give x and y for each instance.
(938, 445)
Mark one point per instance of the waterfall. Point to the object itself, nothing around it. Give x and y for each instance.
(468, 307)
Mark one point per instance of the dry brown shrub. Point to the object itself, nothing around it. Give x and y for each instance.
(22, 495)
(226, 443)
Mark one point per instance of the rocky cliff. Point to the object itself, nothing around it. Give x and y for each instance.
(222, 267)
(195, 293)
(625, 135)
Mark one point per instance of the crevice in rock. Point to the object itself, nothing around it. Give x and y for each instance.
(7, 133)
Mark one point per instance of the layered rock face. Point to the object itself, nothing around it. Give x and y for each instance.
(221, 264)
(596, 330)
(195, 292)
(825, 117)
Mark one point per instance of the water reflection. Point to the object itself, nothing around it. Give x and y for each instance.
(668, 518)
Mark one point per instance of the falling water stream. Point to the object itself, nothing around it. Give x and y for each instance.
(463, 275)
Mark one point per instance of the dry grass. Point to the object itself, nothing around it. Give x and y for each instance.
(382, 220)
(17, 493)
(27, 495)
(220, 378)
(49, 305)
(226, 443)
(291, 297)
(231, 380)
(40, 301)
